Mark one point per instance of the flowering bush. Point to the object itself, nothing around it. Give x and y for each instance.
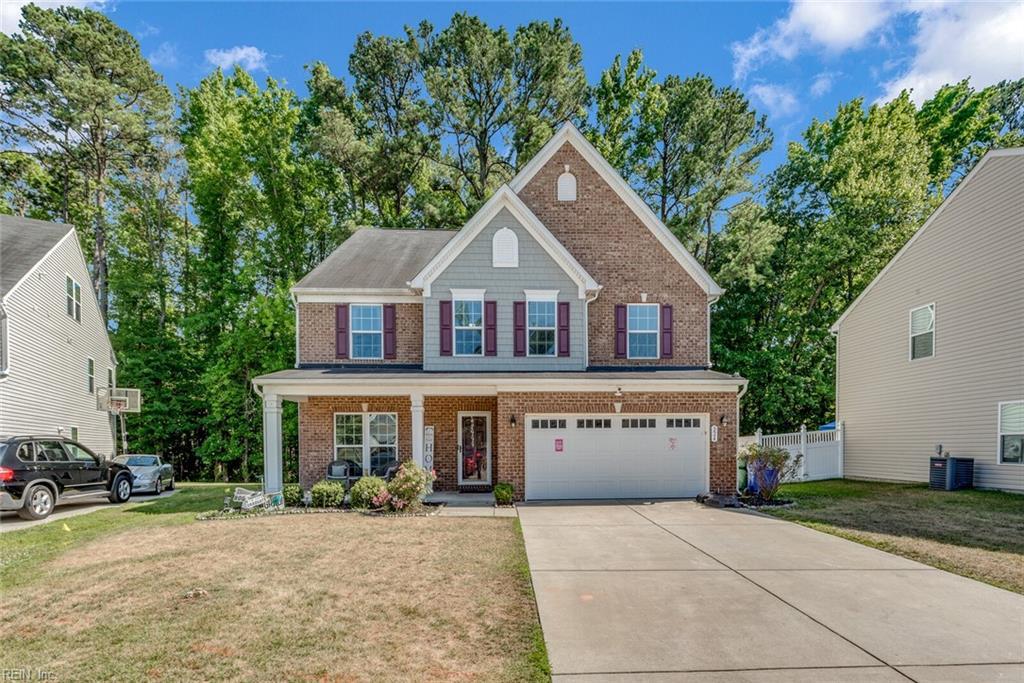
(328, 494)
(365, 491)
(408, 486)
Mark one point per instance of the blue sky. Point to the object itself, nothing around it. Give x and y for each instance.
(795, 61)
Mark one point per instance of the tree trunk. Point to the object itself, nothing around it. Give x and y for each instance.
(99, 253)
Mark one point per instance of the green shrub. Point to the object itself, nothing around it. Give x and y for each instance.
(769, 466)
(408, 486)
(504, 493)
(328, 494)
(365, 490)
(292, 495)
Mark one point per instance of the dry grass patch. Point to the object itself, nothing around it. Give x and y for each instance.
(317, 598)
(978, 534)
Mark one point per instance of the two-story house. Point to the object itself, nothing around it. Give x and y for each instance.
(54, 348)
(558, 342)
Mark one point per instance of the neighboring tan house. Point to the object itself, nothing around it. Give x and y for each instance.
(932, 352)
(558, 342)
(54, 348)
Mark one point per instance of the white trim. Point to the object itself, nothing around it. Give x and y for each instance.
(541, 294)
(1016, 151)
(365, 445)
(356, 298)
(507, 260)
(999, 433)
(657, 332)
(48, 254)
(490, 448)
(90, 376)
(468, 296)
(504, 198)
(568, 133)
(910, 327)
(76, 297)
(545, 297)
(352, 333)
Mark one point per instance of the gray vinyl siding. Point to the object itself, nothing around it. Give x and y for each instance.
(472, 269)
(968, 264)
(46, 387)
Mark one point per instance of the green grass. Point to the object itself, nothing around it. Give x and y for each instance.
(979, 534)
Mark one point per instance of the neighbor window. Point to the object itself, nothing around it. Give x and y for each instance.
(74, 302)
(110, 378)
(540, 328)
(922, 332)
(469, 327)
(90, 371)
(367, 325)
(1011, 432)
(367, 441)
(3, 341)
(643, 330)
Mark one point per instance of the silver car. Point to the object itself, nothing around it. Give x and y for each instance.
(149, 472)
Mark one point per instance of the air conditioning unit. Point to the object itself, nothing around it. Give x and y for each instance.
(951, 474)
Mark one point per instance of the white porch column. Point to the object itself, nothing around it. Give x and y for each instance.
(273, 465)
(417, 428)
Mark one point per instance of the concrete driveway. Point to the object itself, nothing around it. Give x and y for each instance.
(10, 521)
(677, 592)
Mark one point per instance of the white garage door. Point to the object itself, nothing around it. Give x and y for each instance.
(616, 456)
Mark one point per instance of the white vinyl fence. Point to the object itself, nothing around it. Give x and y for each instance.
(822, 450)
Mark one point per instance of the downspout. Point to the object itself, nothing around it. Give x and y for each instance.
(295, 303)
(586, 327)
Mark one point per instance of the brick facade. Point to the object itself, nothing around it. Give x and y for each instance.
(622, 254)
(716, 405)
(317, 335)
(443, 413)
(316, 429)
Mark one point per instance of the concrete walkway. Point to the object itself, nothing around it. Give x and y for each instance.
(677, 592)
(10, 521)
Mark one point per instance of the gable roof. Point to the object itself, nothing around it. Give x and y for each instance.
(375, 259)
(505, 198)
(24, 242)
(568, 133)
(975, 172)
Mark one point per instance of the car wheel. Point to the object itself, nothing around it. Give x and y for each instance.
(121, 491)
(38, 503)
(170, 486)
(158, 487)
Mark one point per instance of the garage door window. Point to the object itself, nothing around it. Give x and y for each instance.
(682, 422)
(639, 423)
(548, 424)
(589, 423)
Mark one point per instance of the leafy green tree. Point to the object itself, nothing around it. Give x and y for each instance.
(626, 103)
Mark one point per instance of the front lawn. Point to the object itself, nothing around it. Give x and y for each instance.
(339, 597)
(978, 534)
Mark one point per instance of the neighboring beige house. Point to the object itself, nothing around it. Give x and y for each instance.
(932, 352)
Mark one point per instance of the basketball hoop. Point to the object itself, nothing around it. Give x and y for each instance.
(117, 401)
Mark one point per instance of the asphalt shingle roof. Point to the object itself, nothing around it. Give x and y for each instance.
(375, 258)
(23, 243)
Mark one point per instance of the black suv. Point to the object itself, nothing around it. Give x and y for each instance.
(37, 472)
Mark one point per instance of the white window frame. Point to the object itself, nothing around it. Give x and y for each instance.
(910, 328)
(566, 186)
(90, 375)
(73, 299)
(5, 345)
(468, 296)
(353, 332)
(541, 296)
(506, 237)
(110, 378)
(365, 444)
(1000, 434)
(73, 432)
(657, 331)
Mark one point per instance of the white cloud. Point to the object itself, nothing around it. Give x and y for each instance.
(823, 83)
(832, 26)
(146, 30)
(777, 99)
(248, 57)
(10, 10)
(983, 41)
(165, 55)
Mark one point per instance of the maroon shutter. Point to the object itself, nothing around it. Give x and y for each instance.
(620, 330)
(446, 328)
(341, 331)
(666, 331)
(563, 328)
(389, 331)
(490, 328)
(519, 323)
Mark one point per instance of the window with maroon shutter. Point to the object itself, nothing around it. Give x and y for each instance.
(519, 328)
(490, 328)
(666, 331)
(620, 330)
(341, 331)
(563, 328)
(390, 342)
(446, 328)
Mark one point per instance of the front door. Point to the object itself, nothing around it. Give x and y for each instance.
(475, 448)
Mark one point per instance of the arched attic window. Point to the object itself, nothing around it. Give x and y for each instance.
(567, 187)
(505, 249)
